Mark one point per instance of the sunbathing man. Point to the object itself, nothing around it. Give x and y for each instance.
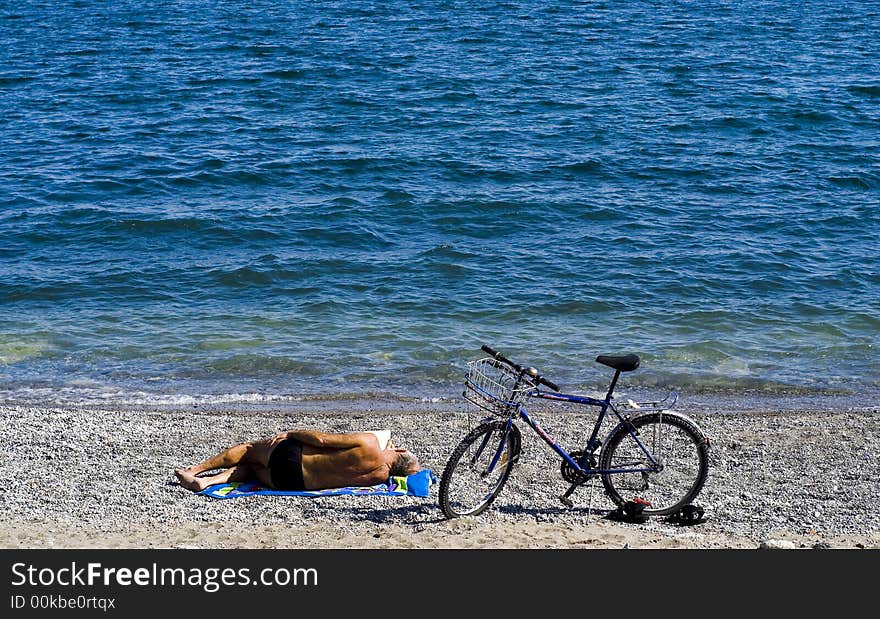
(304, 460)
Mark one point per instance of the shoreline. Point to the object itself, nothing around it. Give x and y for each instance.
(715, 402)
(102, 478)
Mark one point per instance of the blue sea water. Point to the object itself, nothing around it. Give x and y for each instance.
(272, 200)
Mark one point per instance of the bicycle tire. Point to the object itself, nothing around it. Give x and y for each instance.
(465, 489)
(676, 442)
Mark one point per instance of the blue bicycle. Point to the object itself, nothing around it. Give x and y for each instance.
(652, 457)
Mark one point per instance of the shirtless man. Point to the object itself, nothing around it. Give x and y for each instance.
(304, 460)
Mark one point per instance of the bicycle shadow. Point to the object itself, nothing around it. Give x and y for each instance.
(518, 510)
(430, 513)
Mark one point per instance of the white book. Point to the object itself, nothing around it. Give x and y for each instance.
(383, 436)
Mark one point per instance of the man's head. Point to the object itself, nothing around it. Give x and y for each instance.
(403, 463)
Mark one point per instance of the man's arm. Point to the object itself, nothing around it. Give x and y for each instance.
(333, 441)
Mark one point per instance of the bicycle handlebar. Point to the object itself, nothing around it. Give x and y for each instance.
(538, 379)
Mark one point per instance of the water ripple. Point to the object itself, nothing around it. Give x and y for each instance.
(207, 193)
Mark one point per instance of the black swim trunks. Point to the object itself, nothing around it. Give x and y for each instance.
(285, 465)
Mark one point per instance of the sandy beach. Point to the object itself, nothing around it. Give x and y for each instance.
(103, 478)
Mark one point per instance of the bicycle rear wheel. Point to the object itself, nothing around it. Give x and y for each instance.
(680, 451)
(467, 486)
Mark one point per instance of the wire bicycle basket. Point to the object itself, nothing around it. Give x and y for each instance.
(494, 386)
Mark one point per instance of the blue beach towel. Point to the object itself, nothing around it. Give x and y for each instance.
(417, 484)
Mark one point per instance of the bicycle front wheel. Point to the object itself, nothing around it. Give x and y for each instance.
(478, 469)
(678, 471)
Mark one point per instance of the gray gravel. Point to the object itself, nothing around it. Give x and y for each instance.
(809, 476)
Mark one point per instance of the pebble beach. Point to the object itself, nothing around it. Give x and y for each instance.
(103, 478)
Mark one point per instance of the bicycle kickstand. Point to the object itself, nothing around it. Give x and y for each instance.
(564, 497)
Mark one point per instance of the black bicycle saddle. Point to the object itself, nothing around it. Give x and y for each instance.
(626, 363)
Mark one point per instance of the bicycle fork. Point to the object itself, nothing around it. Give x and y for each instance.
(500, 457)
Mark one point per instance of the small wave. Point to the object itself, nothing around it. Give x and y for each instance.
(215, 178)
(870, 90)
(453, 97)
(850, 182)
(811, 117)
(398, 195)
(357, 236)
(475, 40)
(212, 81)
(161, 225)
(86, 51)
(729, 122)
(244, 277)
(15, 80)
(588, 167)
(561, 104)
(135, 24)
(285, 74)
(680, 127)
(671, 172)
(447, 251)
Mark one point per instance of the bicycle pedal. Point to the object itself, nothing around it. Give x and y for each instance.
(566, 501)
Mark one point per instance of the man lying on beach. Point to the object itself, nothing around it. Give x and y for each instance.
(304, 460)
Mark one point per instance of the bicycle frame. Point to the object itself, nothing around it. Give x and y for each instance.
(581, 467)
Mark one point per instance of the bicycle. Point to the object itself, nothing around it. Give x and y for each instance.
(654, 458)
